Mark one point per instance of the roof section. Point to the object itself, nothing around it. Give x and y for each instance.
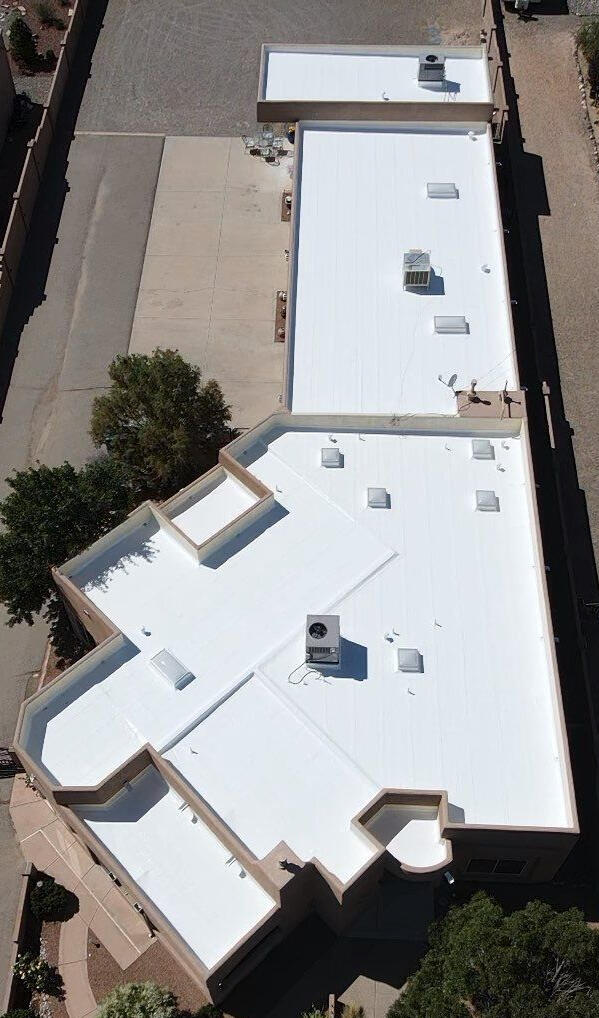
(429, 572)
(180, 864)
(364, 73)
(361, 343)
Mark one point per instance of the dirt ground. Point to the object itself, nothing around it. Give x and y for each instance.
(155, 965)
(554, 129)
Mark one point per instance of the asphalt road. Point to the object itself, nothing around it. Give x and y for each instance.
(77, 320)
(191, 66)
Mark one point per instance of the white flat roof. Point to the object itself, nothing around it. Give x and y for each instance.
(272, 777)
(179, 863)
(450, 581)
(360, 342)
(365, 74)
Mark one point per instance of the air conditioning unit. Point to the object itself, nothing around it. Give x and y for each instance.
(416, 268)
(431, 71)
(323, 641)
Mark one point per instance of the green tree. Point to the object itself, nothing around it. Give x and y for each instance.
(52, 902)
(160, 421)
(481, 963)
(51, 514)
(138, 1000)
(22, 44)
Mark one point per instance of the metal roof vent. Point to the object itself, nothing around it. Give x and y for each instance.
(487, 501)
(171, 670)
(451, 324)
(442, 191)
(431, 70)
(323, 640)
(378, 498)
(409, 660)
(330, 457)
(416, 268)
(482, 449)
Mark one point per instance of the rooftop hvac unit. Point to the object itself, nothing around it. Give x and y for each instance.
(431, 70)
(330, 457)
(170, 669)
(322, 640)
(482, 449)
(409, 659)
(451, 324)
(487, 502)
(378, 498)
(442, 191)
(416, 268)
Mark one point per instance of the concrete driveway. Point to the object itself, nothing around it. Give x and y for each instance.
(214, 259)
(191, 66)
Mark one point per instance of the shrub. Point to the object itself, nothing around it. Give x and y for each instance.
(37, 975)
(138, 1000)
(209, 1011)
(353, 1011)
(587, 40)
(52, 902)
(314, 1012)
(19, 1012)
(47, 15)
(21, 43)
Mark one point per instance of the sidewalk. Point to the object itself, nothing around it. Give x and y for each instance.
(72, 965)
(52, 848)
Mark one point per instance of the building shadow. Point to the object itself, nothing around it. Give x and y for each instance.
(566, 534)
(311, 963)
(29, 291)
(245, 537)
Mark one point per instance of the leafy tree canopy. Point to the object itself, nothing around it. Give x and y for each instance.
(138, 1000)
(160, 421)
(49, 515)
(534, 963)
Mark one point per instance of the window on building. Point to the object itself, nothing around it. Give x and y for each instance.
(510, 867)
(502, 867)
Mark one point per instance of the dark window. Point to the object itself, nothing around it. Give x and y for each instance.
(482, 865)
(510, 867)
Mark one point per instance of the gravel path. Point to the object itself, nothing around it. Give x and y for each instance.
(191, 66)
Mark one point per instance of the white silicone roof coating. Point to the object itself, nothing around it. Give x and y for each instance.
(367, 75)
(360, 342)
(180, 865)
(449, 581)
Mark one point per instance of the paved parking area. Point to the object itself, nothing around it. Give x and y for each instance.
(191, 66)
(214, 259)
